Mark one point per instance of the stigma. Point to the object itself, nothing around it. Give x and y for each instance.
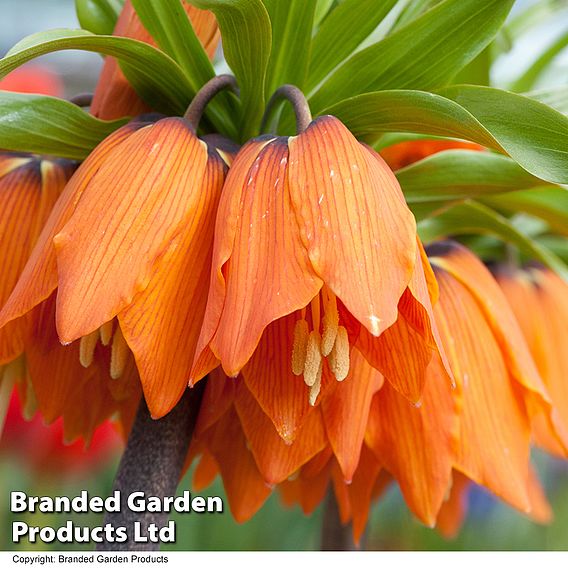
(326, 340)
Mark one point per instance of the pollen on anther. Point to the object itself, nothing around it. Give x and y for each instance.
(300, 346)
(339, 356)
(330, 325)
(118, 354)
(87, 348)
(313, 358)
(316, 387)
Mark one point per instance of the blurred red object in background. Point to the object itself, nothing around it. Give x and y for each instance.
(33, 79)
(42, 448)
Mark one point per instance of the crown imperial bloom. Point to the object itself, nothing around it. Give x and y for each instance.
(314, 230)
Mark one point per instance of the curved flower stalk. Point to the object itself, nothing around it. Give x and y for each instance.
(114, 97)
(315, 253)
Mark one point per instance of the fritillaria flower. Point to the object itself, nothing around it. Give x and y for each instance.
(114, 97)
(131, 239)
(539, 300)
(315, 254)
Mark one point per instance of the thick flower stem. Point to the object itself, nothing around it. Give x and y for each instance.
(334, 534)
(204, 96)
(152, 463)
(298, 101)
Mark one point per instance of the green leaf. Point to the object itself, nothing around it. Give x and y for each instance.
(475, 218)
(245, 29)
(533, 134)
(556, 97)
(462, 174)
(425, 54)
(322, 8)
(292, 25)
(169, 25)
(156, 77)
(547, 203)
(530, 77)
(352, 21)
(47, 125)
(98, 16)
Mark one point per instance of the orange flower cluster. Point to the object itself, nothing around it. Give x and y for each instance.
(338, 352)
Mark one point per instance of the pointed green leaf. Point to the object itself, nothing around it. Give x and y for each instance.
(156, 77)
(547, 203)
(462, 174)
(246, 33)
(475, 218)
(352, 21)
(169, 25)
(98, 16)
(556, 97)
(425, 54)
(292, 24)
(533, 134)
(47, 125)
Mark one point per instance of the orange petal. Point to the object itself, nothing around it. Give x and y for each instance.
(359, 233)
(470, 271)
(245, 487)
(257, 253)
(494, 427)
(218, 398)
(346, 410)
(360, 491)
(205, 472)
(162, 324)
(29, 187)
(453, 510)
(541, 512)
(39, 277)
(268, 375)
(275, 459)
(405, 153)
(146, 191)
(404, 351)
(417, 444)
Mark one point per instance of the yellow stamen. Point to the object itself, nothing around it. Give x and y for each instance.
(330, 323)
(339, 356)
(87, 348)
(316, 387)
(118, 355)
(300, 347)
(106, 332)
(313, 358)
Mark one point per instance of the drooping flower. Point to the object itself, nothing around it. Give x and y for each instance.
(315, 252)
(539, 300)
(131, 238)
(34, 79)
(114, 97)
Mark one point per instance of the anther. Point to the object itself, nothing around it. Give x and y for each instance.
(330, 324)
(106, 332)
(339, 356)
(30, 405)
(316, 387)
(313, 358)
(300, 347)
(118, 354)
(87, 348)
